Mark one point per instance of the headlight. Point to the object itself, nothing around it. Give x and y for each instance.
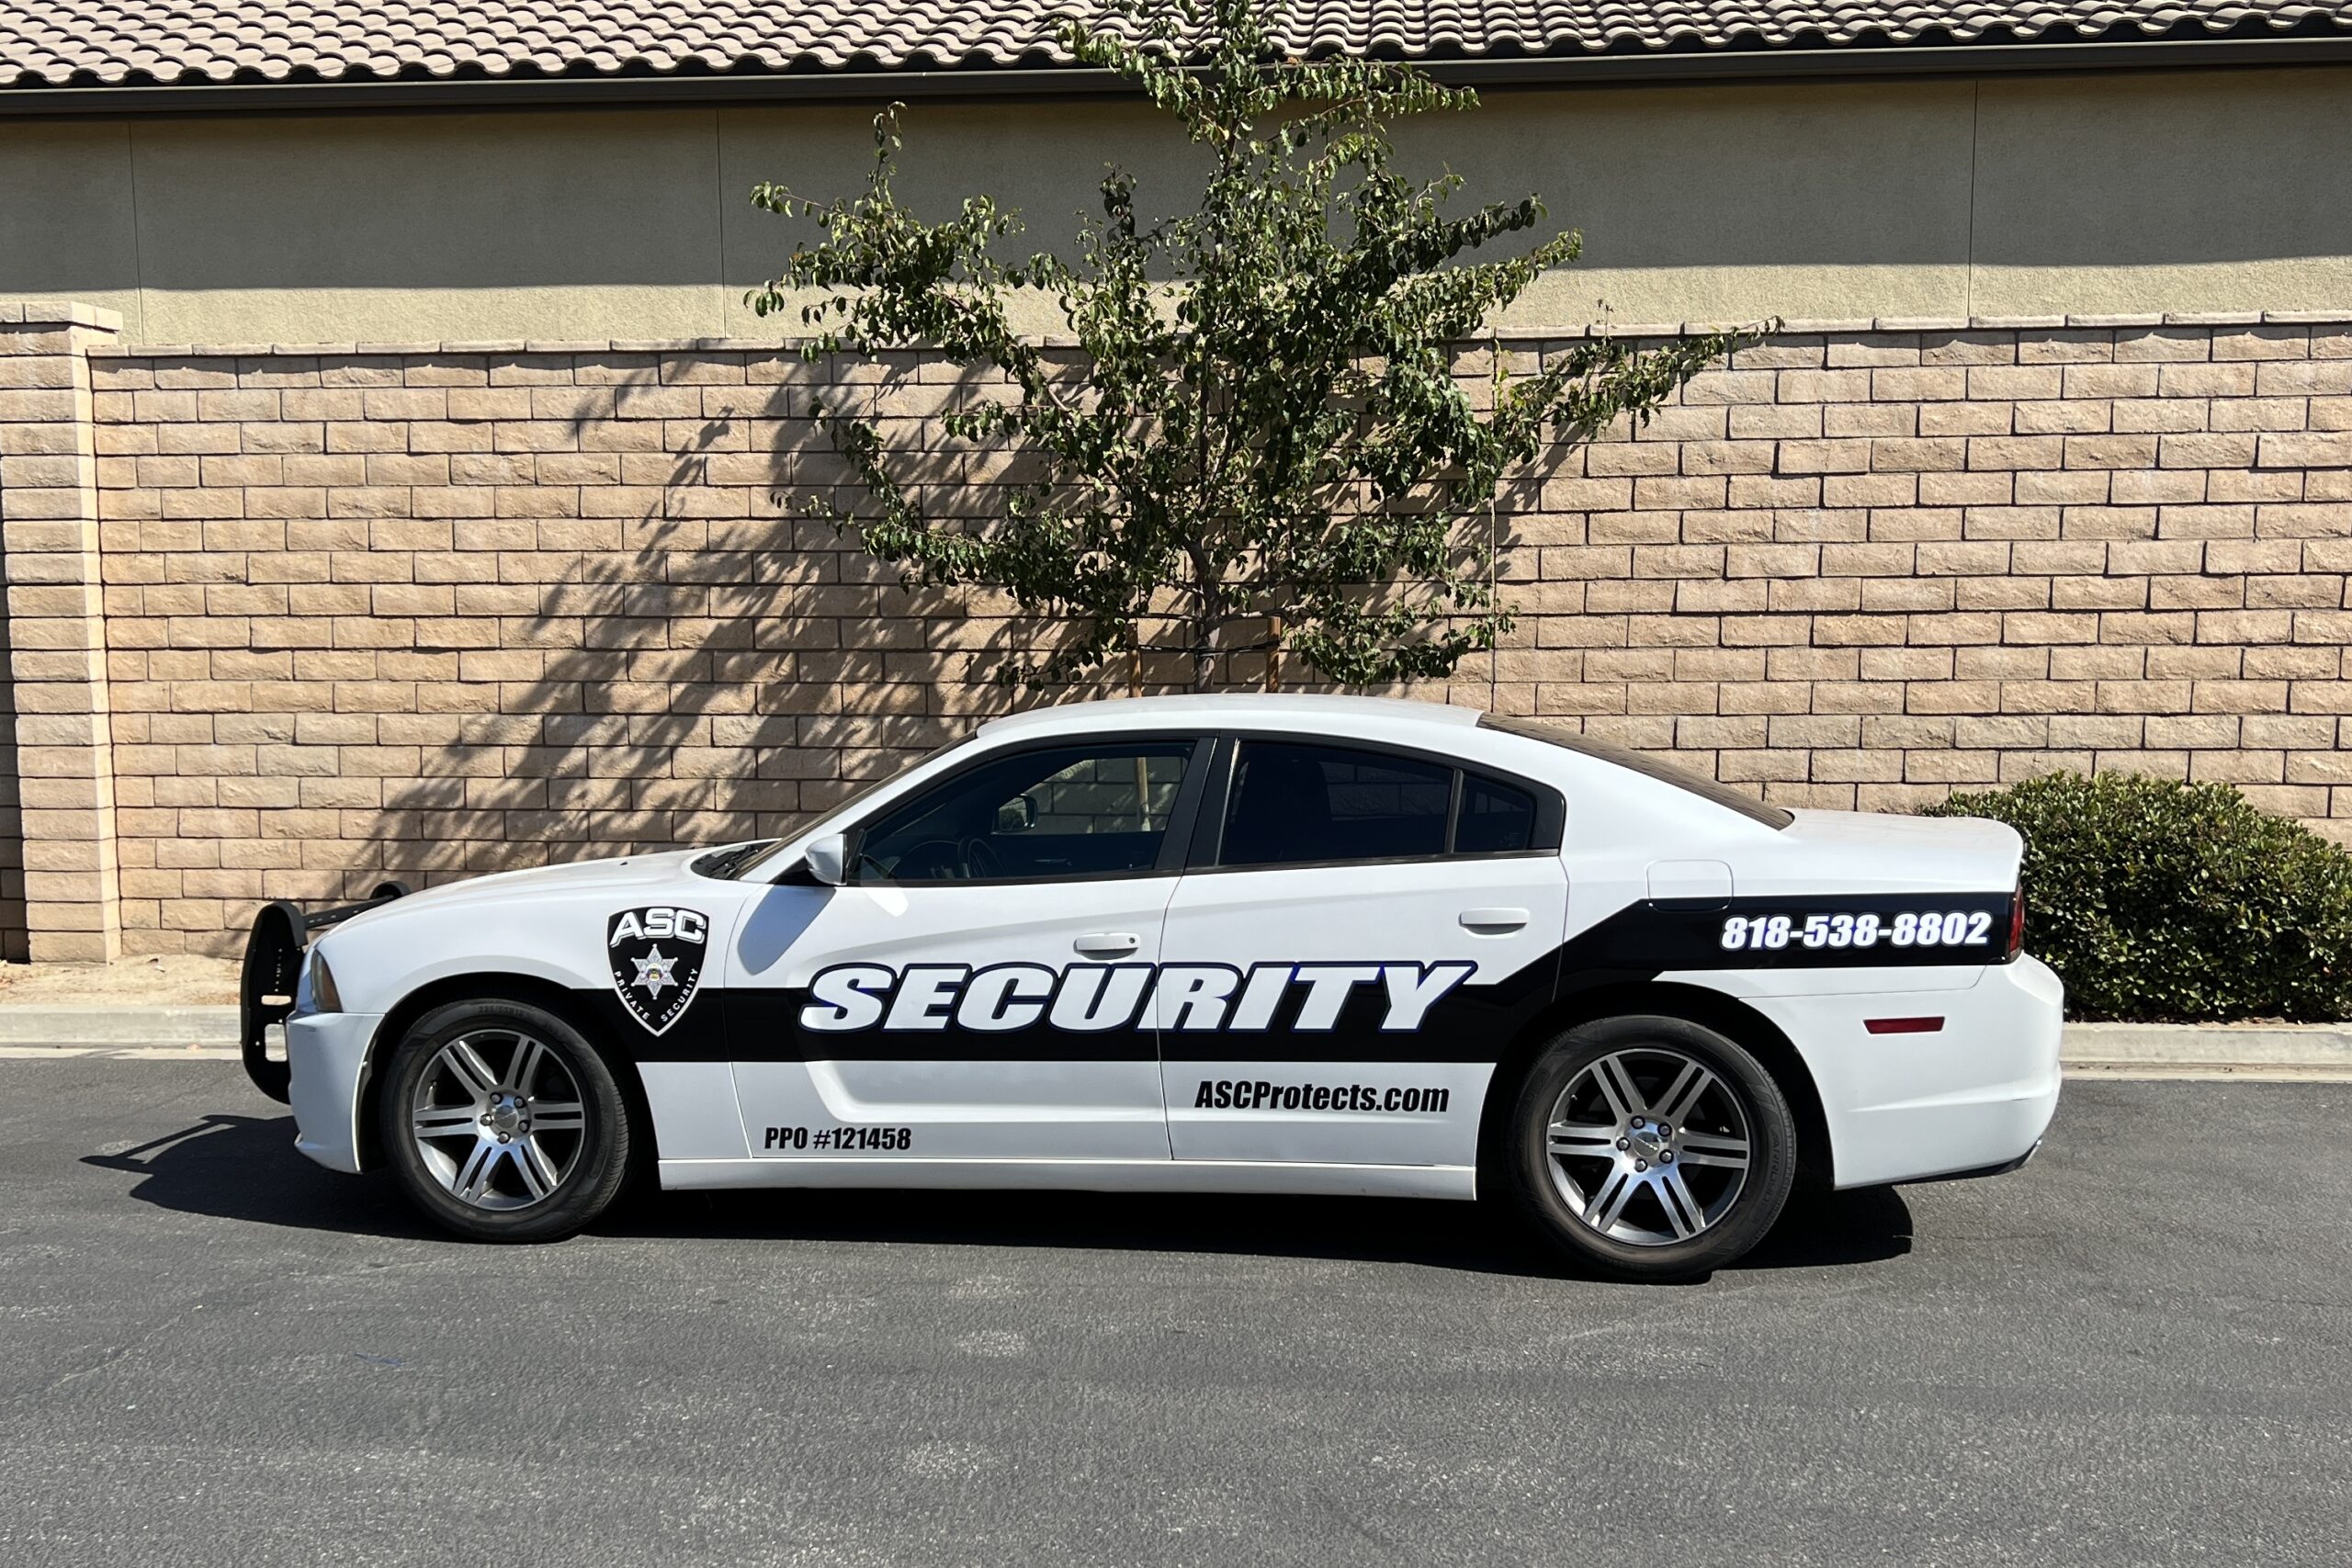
(315, 992)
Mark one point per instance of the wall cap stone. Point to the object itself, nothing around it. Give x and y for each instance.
(1920, 324)
(508, 348)
(58, 312)
(2212, 318)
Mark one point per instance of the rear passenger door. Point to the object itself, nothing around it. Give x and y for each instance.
(1358, 931)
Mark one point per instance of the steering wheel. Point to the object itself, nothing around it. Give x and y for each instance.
(928, 859)
(980, 861)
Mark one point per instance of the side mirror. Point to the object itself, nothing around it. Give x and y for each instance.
(825, 857)
(1017, 814)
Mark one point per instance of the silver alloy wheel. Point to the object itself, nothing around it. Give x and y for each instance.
(1648, 1146)
(500, 1137)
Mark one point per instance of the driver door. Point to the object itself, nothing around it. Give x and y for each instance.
(977, 990)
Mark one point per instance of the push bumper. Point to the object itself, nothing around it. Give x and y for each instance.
(326, 1057)
(272, 975)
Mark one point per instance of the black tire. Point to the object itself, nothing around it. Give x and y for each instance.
(1655, 1232)
(589, 1163)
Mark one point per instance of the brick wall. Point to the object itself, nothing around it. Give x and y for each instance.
(16, 934)
(58, 868)
(425, 611)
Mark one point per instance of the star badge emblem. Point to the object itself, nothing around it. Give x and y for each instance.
(654, 971)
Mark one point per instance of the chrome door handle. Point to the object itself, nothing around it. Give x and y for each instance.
(1494, 921)
(1107, 945)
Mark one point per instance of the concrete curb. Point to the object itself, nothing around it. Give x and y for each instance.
(2107, 1049)
(49, 1024)
(2196, 1050)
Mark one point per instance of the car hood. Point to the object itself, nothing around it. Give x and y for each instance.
(577, 876)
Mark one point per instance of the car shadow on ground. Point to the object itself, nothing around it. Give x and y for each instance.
(245, 1169)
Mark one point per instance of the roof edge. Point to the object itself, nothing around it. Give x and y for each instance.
(880, 87)
(1187, 706)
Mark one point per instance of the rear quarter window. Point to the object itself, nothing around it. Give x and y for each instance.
(1649, 767)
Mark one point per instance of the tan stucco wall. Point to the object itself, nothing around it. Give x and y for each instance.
(1734, 204)
(67, 230)
(2197, 191)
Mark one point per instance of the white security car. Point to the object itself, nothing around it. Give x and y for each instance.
(1220, 944)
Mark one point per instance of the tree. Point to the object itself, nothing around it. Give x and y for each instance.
(1261, 440)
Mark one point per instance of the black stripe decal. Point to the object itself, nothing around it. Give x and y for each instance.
(1470, 1023)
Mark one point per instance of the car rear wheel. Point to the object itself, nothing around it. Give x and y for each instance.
(1653, 1148)
(503, 1124)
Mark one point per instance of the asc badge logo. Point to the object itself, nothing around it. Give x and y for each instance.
(656, 959)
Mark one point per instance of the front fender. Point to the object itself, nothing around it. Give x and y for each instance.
(557, 938)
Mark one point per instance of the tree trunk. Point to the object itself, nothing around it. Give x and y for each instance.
(1203, 653)
(1207, 617)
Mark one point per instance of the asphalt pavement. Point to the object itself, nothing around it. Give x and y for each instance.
(2136, 1350)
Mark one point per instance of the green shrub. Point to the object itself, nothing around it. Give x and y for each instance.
(2157, 900)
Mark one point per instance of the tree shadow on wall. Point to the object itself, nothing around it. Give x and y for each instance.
(686, 660)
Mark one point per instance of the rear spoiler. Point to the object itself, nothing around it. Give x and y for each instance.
(273, 966)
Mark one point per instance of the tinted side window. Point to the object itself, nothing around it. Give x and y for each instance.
(1293, 805)
(1085, 810)
(1496, 818)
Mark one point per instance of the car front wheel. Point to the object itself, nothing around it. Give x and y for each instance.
(1653, 1148)
(503, 1124)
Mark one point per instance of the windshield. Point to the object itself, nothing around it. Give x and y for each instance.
(740, 869)
(1641, 762)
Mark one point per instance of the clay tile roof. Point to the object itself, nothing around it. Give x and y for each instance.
(56, 43)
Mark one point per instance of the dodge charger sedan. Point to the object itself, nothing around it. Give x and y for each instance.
(1249, 944)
